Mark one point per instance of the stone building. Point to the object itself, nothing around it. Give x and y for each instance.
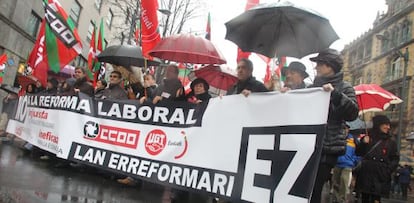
(378, 56)
(20, 21)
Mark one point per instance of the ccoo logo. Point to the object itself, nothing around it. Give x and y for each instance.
(90, 129)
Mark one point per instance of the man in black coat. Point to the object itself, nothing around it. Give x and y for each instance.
(343, 107)
(246, 83)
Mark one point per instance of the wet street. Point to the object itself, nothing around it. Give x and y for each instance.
(26, 179)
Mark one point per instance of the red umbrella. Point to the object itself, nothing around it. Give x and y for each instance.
(24, 80)
(372, 97)
(217, 79)
(187, 48)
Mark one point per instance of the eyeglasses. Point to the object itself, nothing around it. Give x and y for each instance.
(113, 76)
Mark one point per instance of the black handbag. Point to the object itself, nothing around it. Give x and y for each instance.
(358, 166)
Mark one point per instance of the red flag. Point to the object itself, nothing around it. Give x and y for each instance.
(240, 53)
(208, 28)
(63, 43)
(281, 63)
(268, 75)
(58, 42)
(3, 60)
(38, 57)
(92, 54)
(99, 68)
(137, 33)
(149, 26)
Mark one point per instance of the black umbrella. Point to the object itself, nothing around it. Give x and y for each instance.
(281, 29)
(9, 88)
(125, 55)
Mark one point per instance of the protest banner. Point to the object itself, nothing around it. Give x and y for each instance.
(263, 148)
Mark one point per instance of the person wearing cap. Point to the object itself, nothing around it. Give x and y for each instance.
(199, 91)
(380, 159)
(342, 173)
(246, 83)
(342, 107)
(294, 74)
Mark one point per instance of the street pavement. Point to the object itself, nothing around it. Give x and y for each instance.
(27, 179)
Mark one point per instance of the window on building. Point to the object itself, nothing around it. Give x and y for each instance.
(396, 68)
(368, 49)
(75, 11)
(394, 37)
(405, 31)
(109, 18)
(385, 43)
(90, 31)
(98, 4)
(360, 53)
(33, 24)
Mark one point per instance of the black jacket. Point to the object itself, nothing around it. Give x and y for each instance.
(374, 176)
(114, 92)
(343, 107)
(250, 84)
(84, 86)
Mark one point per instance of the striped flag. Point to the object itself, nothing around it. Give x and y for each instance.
(92, 54)
(208, 28)
(99, 68)
(3, 61)
(58, 42)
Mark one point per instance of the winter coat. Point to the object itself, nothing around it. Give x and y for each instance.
(150, 92)
(349, 159)
(203, 97)
(250, 84)
(99, 93)
(168, 90)
(84, 86)
(343, 107)
(115, 92)
(404, 177)
(374, 176)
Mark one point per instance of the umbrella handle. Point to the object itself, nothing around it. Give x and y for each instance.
(365, 122)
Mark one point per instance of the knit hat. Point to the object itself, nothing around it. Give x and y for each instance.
(330, 57)
(198, 81)
(378, 120)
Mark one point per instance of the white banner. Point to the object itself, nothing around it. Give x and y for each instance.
(233, 147)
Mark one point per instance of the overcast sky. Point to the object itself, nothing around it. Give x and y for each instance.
(349, 18)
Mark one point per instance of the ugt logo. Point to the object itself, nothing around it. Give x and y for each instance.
(280, 163)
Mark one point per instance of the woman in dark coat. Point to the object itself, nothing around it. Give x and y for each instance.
(199, 91)
(379, 159)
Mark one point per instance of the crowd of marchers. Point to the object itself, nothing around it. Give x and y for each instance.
(369, 160)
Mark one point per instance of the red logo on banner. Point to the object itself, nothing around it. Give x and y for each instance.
(111, 135)
(155, 142)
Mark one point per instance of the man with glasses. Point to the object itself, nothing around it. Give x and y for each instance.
(114, 90)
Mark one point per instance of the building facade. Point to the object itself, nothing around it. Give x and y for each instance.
(378, 56)
(20, 21)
